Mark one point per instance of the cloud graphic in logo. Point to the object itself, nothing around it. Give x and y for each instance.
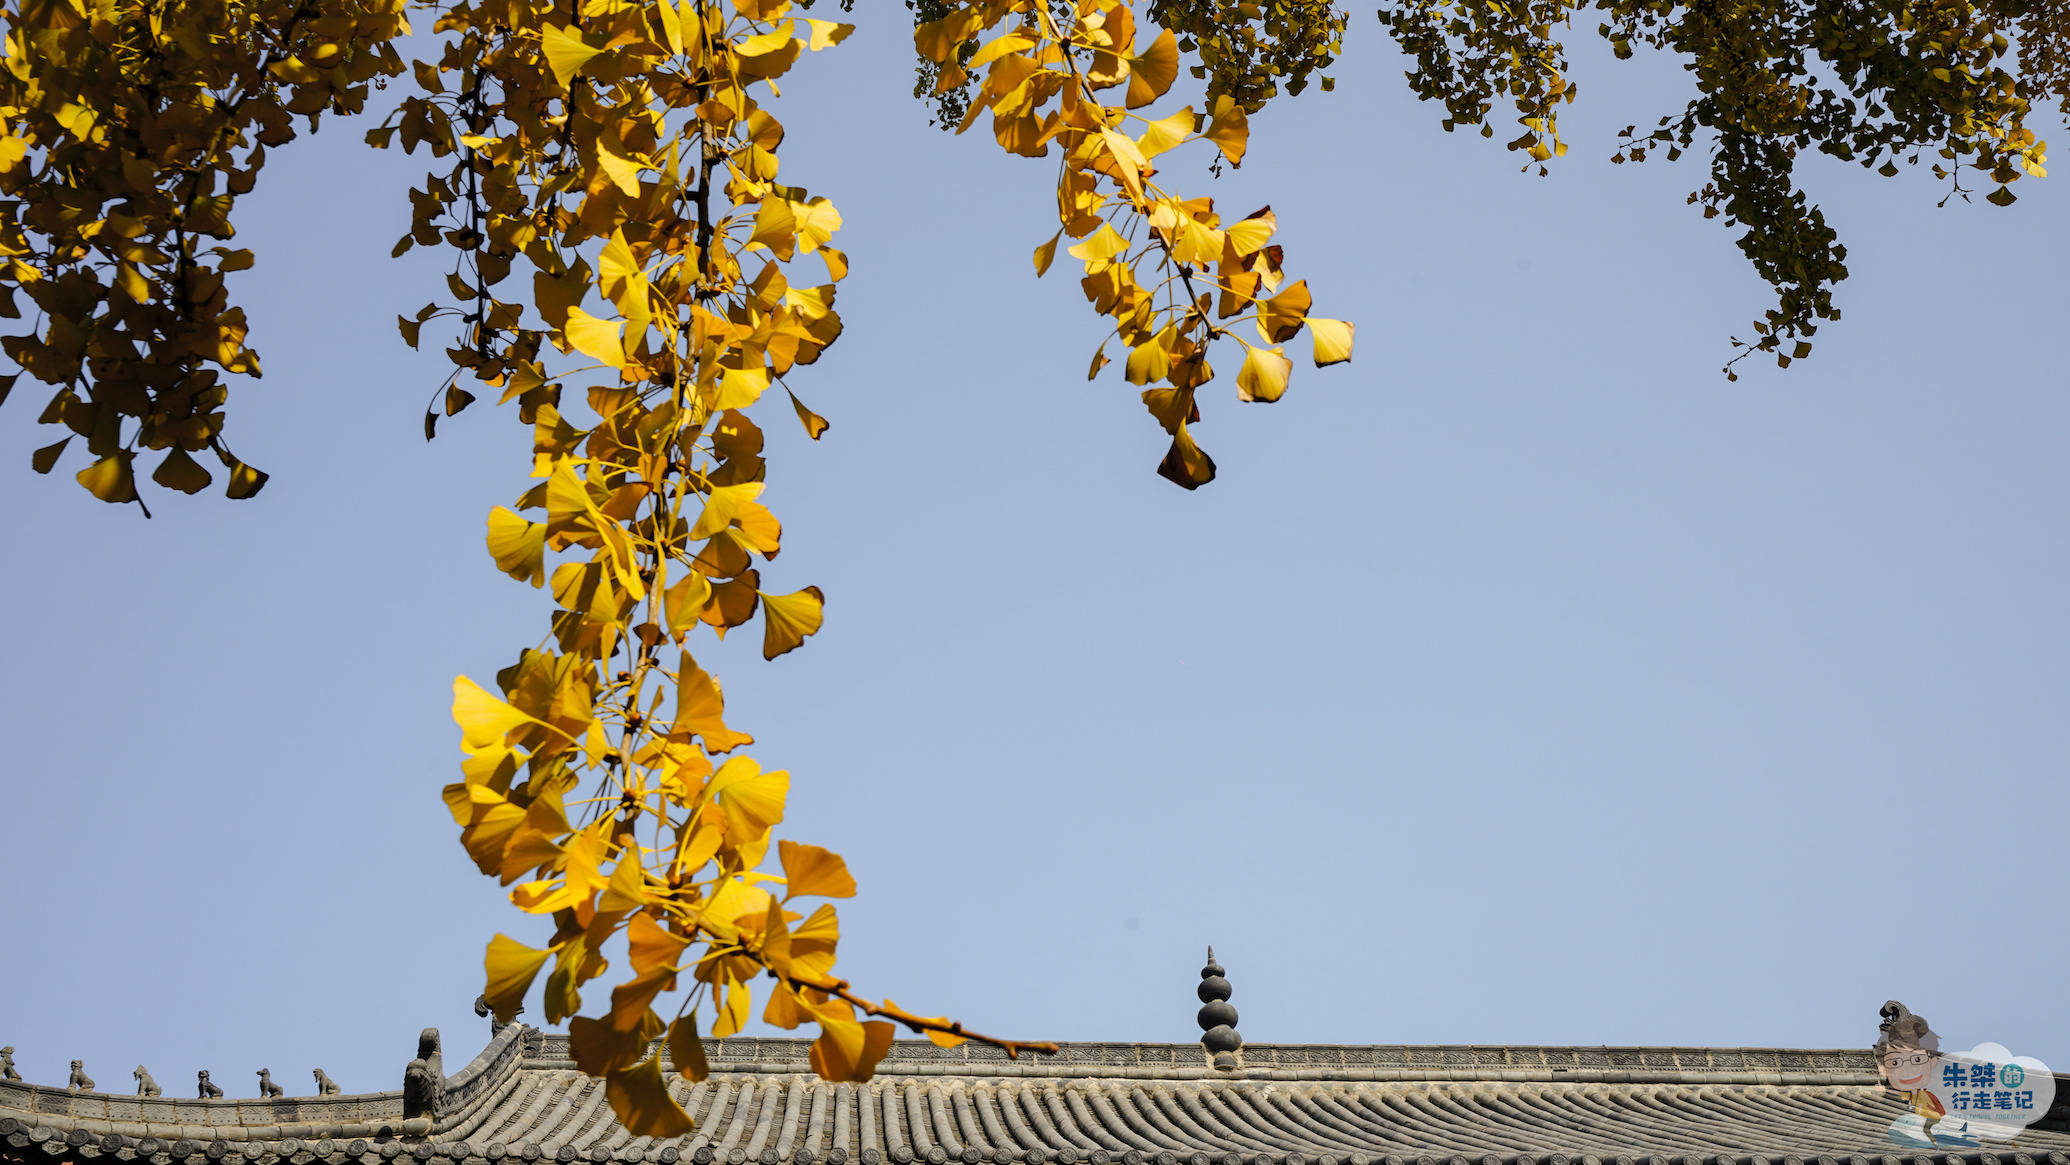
(1988, 1093)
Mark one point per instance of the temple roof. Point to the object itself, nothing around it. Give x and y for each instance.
(1092, 1104)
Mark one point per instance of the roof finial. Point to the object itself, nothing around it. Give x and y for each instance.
(1217, 1018)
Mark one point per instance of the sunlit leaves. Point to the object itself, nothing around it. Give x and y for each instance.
(123, 161)
(1171, 290)
(621, 226)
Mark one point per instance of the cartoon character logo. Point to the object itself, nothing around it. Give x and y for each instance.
(1907, 1055)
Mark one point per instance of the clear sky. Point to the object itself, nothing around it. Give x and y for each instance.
(1522, 681)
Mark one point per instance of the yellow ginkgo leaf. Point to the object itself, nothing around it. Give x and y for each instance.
(1229, 127)
(735, 1008)
(941, 1039)
(733, 902)
(600, 340)
(245, 482)
(484, 719)
(1186, 464)
(699, 708)
(616, 266)
(671, 23)
(735, 506)
(45, 459)
(632, 1004)
(1332, 340)
(1152, 71)
(684, 602)
(813, 422)
(826, 33)
(741, 387)
(788, 619)
(776, 227)
(1128, 161)
(846, 1050)
(627, 889)
(1167, 132)
(566, 52)
(1248, 236)
(649, 946)
(623, 171)
(1100, 247)
(817, 221)
(573, 965)
(640, 1098)
(1281, 316)
(808, 869)
(1171, 406)
(1045, 253)
(1012, 42)
(511, 966)
(518, 546)
(181, 472)
(109, 479)
(553, 295)
(1150, 361)
(751, 798)
(685, 1050)
(599, 1047)
(1263, 376)
(937, 40)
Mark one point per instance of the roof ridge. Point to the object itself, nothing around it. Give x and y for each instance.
(766, 1050)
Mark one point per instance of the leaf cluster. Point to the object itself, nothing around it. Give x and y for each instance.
(128, 131)
(1876, 82)
(1171, 273)
(633, 271)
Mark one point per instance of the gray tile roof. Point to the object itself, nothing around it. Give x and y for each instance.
(1094, 1104)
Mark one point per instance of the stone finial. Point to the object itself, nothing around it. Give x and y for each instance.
(1217, 1018)
(424, 1080)
(7, 1071)
(145, 1085)
(80, 1081)
(325, 1086)
(206, 1090)
(267, 1088)
(483, 1009)
(1902, 1028)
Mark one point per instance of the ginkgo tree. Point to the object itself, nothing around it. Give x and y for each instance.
(634, 274)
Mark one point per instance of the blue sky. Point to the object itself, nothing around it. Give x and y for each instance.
(1522, 681)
